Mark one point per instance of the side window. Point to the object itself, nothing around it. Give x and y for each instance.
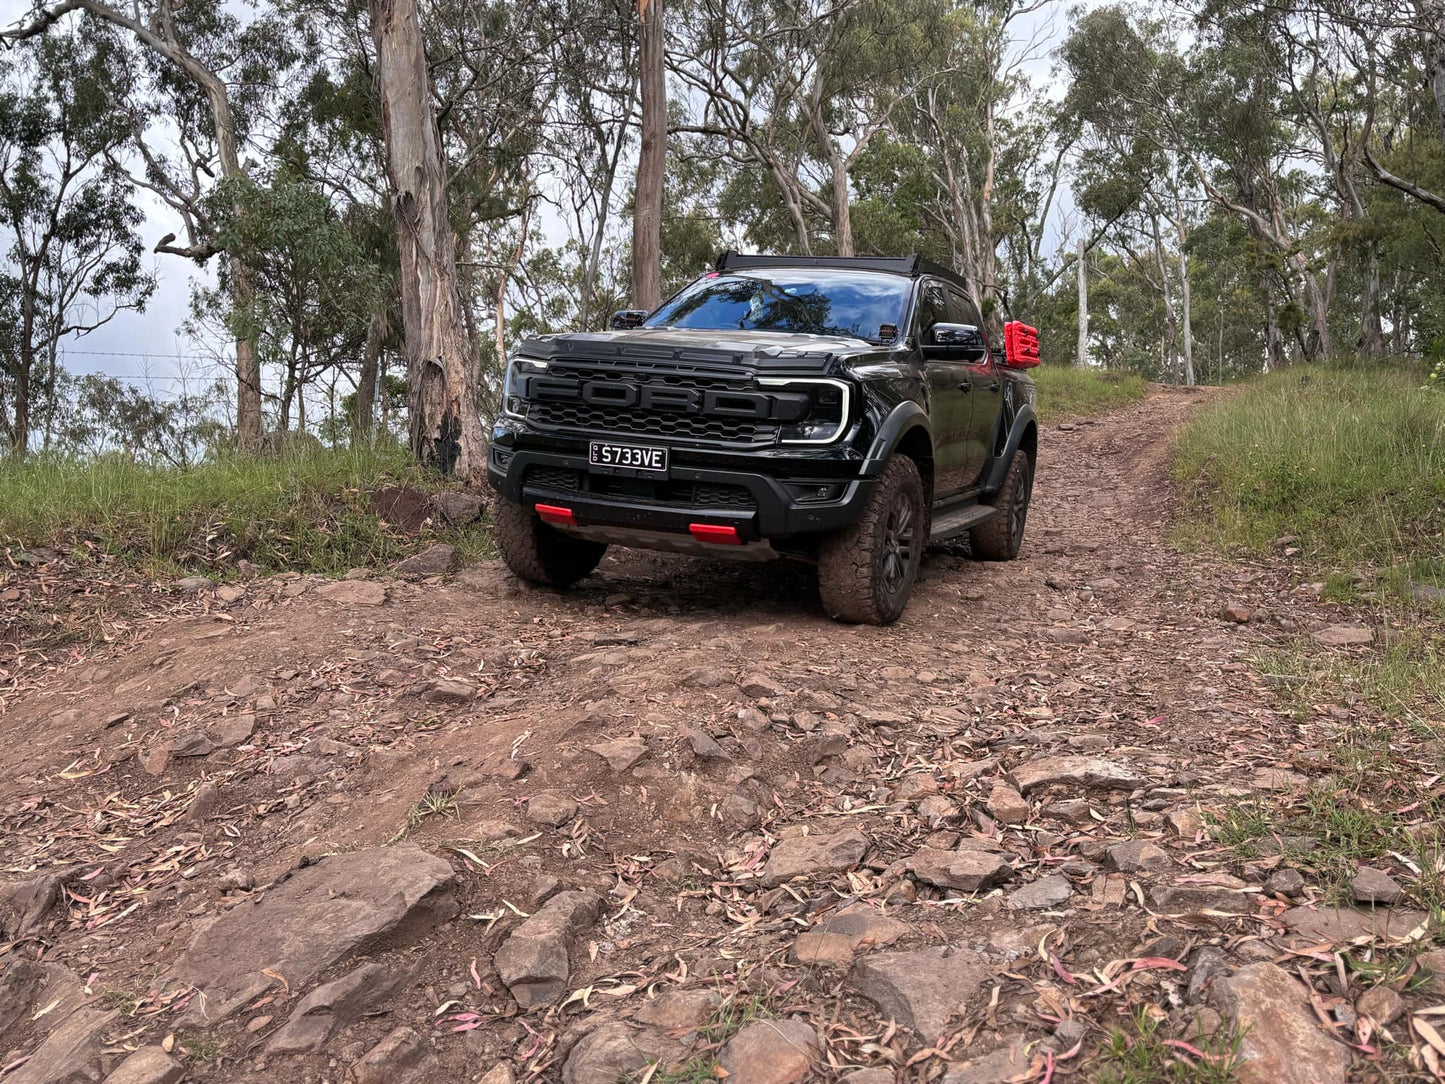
(932, 307)
(963, 311)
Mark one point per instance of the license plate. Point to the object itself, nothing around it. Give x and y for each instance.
(627, 456)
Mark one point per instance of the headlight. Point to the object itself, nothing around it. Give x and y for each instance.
(827, 414)
(514, 397)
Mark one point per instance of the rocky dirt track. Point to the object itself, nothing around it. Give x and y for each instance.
(676, 825)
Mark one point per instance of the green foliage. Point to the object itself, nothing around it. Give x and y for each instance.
(305, 511)
(1139, 1054)
(1350, 461)
(1068, 391)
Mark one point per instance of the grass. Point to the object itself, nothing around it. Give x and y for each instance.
(1140, 1055)
(1066, 391)
(306, 511)
(1349, 461)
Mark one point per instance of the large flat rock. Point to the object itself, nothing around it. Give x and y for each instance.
(923, 988)
(320, 915)
(1283, 1042)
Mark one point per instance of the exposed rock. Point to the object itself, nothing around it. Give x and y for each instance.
(920, 989)
(400, 1058)
(353, 592)
(1051, 891)
(533, 961)
(499, 1074)
(1208, 965)
(450, 691)
(25, 905)
(192, 743)
(801, 856)
(1137, 855)
(551, 807)
(614, 1051)
(963, 871)
(1078, 771)
(1186, 821)
(233, 730)
(620, 754)
(435, 560)
(1237, 612)
(319, 916)
(706, 677)
(191, 584)
(1071, 811)
(1282, 1042)
(1285, 882)
(738, 810)
(838, 939)
(1343, 635)
(771, 1052)
(334, 1005)
(458, 507)
(203, 804)
(679, 1010)
(869, 1076)
(760, 686)
(705, 746)
(1339, 924)
(1373, 886)
(1008, 805)
(1006, 1064)
(914, 787)
(228, 593)
(1380, 1004)
(1204, 892)
(71, 1053)
(148, 1065)
(936, 809)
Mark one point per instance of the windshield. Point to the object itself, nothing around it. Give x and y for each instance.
(861, 304)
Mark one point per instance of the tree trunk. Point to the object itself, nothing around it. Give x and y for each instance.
(446, 428)
(20, 441)
(842, 213)
(1171, 322)
(651, 161)
(1083, 357)
(1273, 337)
(1186, 328)
(1372, 332)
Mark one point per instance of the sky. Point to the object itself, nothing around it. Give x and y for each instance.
(150, 349)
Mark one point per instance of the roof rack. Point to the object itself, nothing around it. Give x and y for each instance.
(913, 265)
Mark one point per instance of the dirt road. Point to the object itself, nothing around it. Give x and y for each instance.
(678, 818)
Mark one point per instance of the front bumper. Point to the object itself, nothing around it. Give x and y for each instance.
(762, 497)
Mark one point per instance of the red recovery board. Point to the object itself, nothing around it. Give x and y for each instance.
(1020, 345)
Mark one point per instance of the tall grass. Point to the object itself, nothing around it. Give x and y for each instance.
(1065, 391)
(302, 511)
(1349, 461)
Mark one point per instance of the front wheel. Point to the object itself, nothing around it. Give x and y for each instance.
(866, 571)
(999, 538)
(539, 553)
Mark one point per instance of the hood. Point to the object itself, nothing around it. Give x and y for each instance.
(758, 350)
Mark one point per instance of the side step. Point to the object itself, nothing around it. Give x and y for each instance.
(953, 523)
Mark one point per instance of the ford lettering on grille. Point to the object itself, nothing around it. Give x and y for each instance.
(627, 395)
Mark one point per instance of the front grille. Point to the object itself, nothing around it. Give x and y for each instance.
(673, 492)
(659, 424)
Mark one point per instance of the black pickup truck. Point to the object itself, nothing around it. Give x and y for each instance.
(841, 411)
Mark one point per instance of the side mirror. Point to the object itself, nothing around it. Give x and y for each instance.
(957, 341)
(623, 319)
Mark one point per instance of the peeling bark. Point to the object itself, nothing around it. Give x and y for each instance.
(446, 427)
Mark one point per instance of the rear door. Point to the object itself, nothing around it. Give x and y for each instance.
(949, 410)
(985, 395)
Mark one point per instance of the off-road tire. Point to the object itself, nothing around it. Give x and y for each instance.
(866, 570)
(999, 538)
(539, 553)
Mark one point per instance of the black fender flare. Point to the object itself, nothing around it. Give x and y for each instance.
(903, 418)
(1023, 421)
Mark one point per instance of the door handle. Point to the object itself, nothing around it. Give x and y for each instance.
(965, 387)
(993, 386)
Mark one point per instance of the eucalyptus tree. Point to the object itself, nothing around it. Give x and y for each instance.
(204, 50)
(71, 257)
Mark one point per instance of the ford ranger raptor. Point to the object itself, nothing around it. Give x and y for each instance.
(839, 411)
